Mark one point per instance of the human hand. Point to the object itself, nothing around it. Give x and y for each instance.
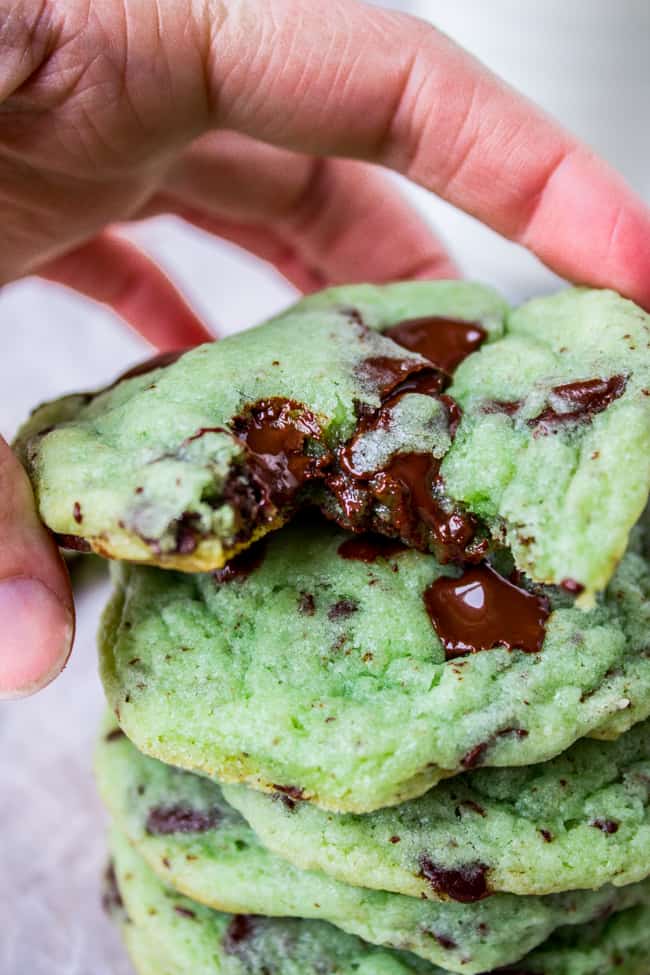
(246, 119)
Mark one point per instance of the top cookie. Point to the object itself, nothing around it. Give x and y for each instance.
(188, 463)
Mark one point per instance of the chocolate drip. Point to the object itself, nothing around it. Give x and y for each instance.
(481, 610)
(443, 341)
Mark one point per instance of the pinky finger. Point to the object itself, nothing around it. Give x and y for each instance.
(113, 271)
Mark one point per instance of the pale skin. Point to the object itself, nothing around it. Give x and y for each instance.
(258, 122)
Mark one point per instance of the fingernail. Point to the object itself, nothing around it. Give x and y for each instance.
(36, 633)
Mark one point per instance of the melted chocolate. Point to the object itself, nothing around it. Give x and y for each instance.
(481, 610)
(167, 820)
(242, 565)
(276, 432)
(466, 884)
(368, 548)
(384, 374)
(580, 400)
(443, 341)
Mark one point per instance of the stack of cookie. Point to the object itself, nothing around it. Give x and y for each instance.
(379, 700)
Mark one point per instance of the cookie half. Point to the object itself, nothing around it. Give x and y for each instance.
(529, 430)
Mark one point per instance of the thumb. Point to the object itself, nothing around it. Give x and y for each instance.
(36, 609)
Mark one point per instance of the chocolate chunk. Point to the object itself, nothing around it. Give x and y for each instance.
(240, 930)
(306, 604)
(609, 826)
(466, 884)
(580, 400)
(167, 820)
(342, 609)
(481, 610)
(443, 341)
(368, 548)
(242, 565)
(76, 513)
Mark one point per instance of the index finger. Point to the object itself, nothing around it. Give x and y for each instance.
(350, 80)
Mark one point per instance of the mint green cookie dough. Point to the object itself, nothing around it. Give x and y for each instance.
(186, 831)
(581, 820)
(168, 934)
(185, 465)
(324, 677)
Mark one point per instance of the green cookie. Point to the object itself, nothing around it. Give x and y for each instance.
(186, 831)
(185, 465)
(579, 821)
(322, 675)
(168, 934)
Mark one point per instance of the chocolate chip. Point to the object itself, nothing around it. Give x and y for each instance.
(609, 826)
(571, 586)
(466, 884)
(76, 513)
(240, 930)
(547, 836)
(342, 609)
(292, 791)
(444, 941)
(167, 820)
(474, 757)
(306, 604)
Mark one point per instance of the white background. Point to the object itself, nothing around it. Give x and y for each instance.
(587, 62)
